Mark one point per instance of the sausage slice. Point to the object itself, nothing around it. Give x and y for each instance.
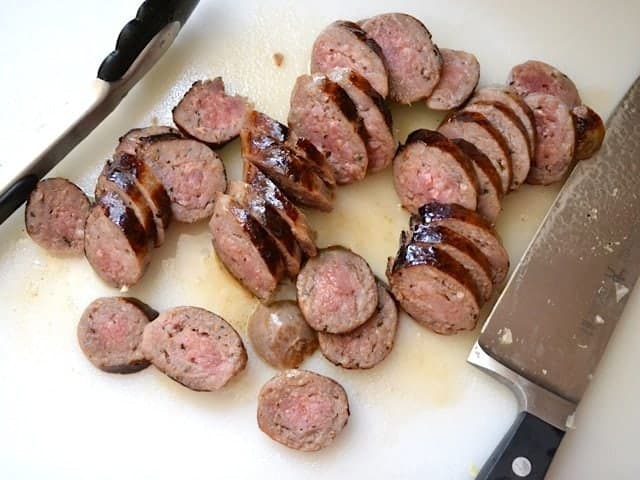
(190, 171)
(412, 59)
(110, 333)
(115, 242)
(273, 223)
(336, 291)
(344, 44)
(271, 194)
(194, 347)
(475, 128)
(302, 410)
(245, 248)
(280, 335)
(490, 186)
(322, 112)
(472, 226)
(461, 249)
(434, 288)
(381, 146)
(208, 114)
(429, 167)
(55, 216)
(534, 76)
(514, 133)
(510, 98)
(556, 139)
(128, 143)
(458, 79)
(589, 131)
(370, 343)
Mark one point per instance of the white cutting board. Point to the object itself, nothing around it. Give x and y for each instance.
(423, 413)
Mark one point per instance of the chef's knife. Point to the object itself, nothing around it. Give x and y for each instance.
(141, 42)
(551, 325)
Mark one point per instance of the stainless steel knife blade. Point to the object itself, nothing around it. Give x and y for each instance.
(549, 329)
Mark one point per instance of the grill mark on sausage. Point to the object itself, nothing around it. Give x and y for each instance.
(363, 85)
(483, 162)
(337, 94)
(125, 218)
(361, 35)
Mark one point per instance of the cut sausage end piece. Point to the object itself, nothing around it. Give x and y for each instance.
(590, 132)
(115, 243)
(458, 79)
(110, 333)
(413, 61)
(370, 343)
(472, 226)
(55, 216)
(280, 335)
(128, 143)
(194, 347)
(190, 171)
(556, 139)
(302, 410)
(534, 76)
(322, 112)
(434, 289)
(208, 114)
(344, 44)
(336, 291)
(245, 248)
(429, 167)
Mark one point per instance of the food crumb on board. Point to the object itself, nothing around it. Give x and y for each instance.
(474, 470)
(506, 337)
(599, 320)
(278, 59)
(571, 422)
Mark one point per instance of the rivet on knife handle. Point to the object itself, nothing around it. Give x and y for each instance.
(152, 16)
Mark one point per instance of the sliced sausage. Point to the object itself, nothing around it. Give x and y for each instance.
(476, 129)
(429, 167)
(194, 347)
(153, 192)
(190, 171)
(296, 220)
(287, 170)
(461, 249)
(315, 159)
(370, 343)
(490, 186)
(280, 335)
(128, 143)
(381, 146)
(322, 112)
(458, 79)
(434, 288)
(514, 133)
(589, 132)
(273, 223)
(210, 115)
(344, 44)
(510, 98)
(115, 242)
(412, 59)
(336, 291)
(124, 183)
(556, 139)
(472, 226)
(110, 333)
(302, 410)
(245, 248)
(534, 76)
(55, 216)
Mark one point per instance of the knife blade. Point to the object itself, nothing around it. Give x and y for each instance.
(141, 42)
(549, 328)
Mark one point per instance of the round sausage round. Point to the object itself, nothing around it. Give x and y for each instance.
(370, 343)
(302, 410)
(458, 79)
(280, 335)
(590, 131)
(534, 76)
(128, 143)
(336, 291)
(110, 333)
(194, 347)
(55, 216)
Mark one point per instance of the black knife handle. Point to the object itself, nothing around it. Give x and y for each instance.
(152, 16)
(525, 452)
